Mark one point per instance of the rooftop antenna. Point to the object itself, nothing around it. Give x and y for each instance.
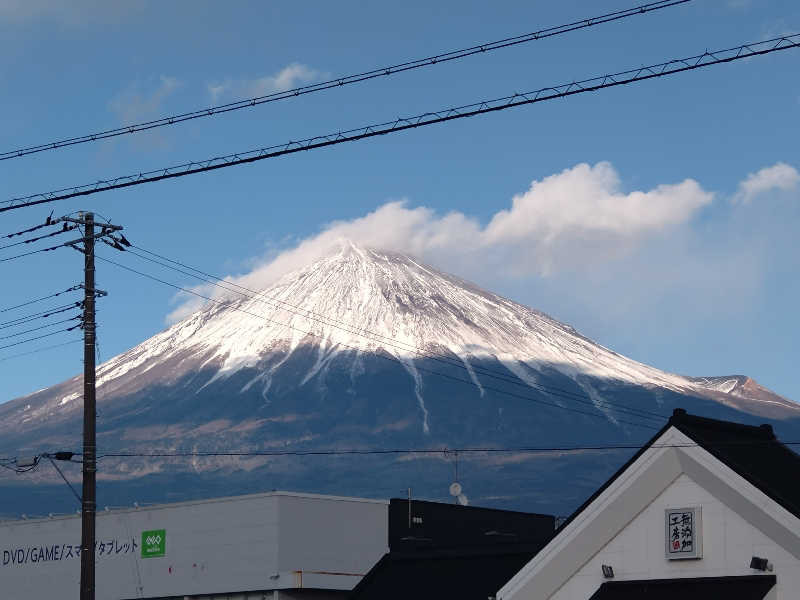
(409, 508)
(456, 491)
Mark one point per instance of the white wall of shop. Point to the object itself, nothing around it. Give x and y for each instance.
(729, 542)
(275, 541)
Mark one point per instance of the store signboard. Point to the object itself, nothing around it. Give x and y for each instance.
(683, 530)
(154, 543)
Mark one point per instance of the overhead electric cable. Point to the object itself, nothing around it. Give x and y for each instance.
(47, 223)
(65, 229)
(50, 249)
(345, 80)
(69, 485)
(468, 450)
(39, 315)
(672, 67)
(599, 415)
(38, 350)
(33, 339)
(35, 300)
(404, 346)
(19, 333)
(6, 462)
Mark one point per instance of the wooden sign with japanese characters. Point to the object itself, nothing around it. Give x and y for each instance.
(683, 533)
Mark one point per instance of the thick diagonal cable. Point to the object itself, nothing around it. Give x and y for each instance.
(593, 84)
(35, 300)
(339, 82)
(27, 331)
(598, 415)
(371, 336)
(39, 315)
(39, 337)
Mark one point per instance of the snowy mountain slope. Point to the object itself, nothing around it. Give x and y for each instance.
(360, 300)
(367, 348)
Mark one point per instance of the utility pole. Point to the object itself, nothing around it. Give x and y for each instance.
(89, 497)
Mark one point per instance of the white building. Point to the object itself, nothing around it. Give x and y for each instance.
(275, 545)
(707, 510)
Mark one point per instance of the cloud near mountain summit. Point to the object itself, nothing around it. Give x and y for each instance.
(577, 219)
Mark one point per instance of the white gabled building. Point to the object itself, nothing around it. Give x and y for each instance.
(707, 509)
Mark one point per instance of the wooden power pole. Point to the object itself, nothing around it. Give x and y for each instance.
(89, 502)
(89, 496)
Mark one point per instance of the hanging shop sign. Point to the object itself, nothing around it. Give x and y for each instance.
(683, 530)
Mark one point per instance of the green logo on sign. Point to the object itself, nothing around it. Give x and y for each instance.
(154, 543)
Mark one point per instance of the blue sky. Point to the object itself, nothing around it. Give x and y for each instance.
(659, 219)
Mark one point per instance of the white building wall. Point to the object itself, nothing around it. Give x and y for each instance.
(729, 542)
(257, 542)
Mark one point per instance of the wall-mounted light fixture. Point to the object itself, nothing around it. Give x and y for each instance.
(608, 571)
(760, 564)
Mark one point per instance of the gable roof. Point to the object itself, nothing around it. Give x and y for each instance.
(753, 452)
(741, 465)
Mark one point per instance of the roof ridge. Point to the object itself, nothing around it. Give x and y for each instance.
(680, 416)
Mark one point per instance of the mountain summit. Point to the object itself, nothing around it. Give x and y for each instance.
(367, 348)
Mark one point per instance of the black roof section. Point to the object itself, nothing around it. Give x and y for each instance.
(439, 550)
(423, 526)
(746, 587)
(751, 451)
(472, 575)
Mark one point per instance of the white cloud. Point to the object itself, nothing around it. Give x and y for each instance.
(777, 177)
(289, 77)
(577, 217)
(134, 105)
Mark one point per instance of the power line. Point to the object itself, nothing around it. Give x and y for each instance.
(39, 337)
(19, 333)
(50, 249)
(384, 356)
(47, 223)
(38, 350)
(69, 485)
(445, 450)
(35, 300)
(672, 67)
(345, 80)
(33, 462)
(65, 229)
(39, 315)
(353, 329)
(466, 450)
(16, 469)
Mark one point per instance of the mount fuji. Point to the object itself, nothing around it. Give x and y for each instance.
(366, 349)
